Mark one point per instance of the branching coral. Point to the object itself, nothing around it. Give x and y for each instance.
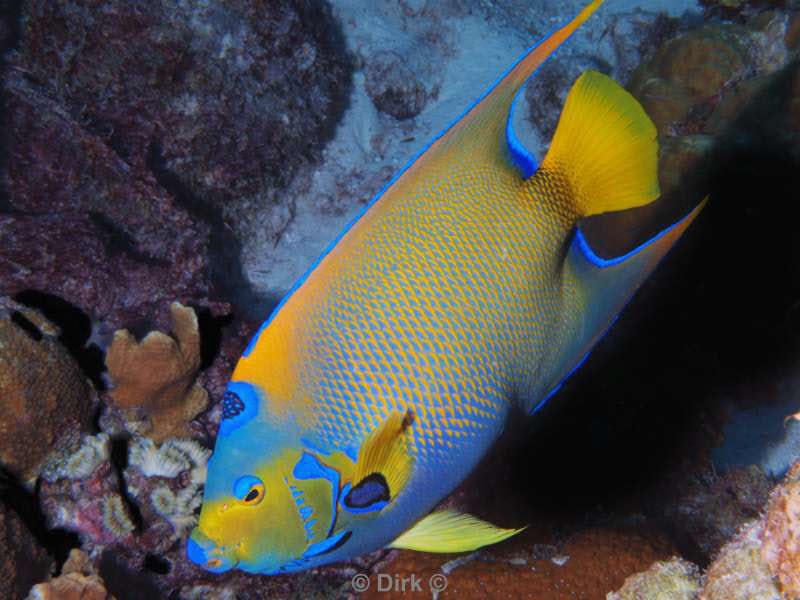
(155, 379)
(44, 397)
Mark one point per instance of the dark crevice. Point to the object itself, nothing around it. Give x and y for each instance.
(28, 327)
(210, 328)
(76, 328)
(125, 582)
(156, 564)
(119, 461)
(118, 241)
(57, 542)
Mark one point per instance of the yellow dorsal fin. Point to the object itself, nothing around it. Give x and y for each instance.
(451, 531)
(385, 451)
(605, 144)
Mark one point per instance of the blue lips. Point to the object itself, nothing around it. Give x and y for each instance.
(200, 552)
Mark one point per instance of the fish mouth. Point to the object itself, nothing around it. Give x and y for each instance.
(205, 553)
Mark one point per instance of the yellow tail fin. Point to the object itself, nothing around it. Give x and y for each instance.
(606, 145)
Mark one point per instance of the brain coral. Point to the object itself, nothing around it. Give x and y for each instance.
(45, 401)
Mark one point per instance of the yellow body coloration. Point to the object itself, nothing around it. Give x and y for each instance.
(465, 289)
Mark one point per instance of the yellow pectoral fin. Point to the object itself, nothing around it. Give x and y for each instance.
(451, 531)
(385, 452)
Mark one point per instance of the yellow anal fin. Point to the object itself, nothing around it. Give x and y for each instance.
(385, 451)
(606, 147)
(451, 531)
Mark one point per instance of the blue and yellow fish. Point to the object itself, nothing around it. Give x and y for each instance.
(465, 288)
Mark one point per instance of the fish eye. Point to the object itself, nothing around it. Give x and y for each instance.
(249, 490)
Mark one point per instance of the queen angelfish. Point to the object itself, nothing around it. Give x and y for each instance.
(464, 290)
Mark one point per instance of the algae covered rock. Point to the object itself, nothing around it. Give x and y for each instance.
(781, 537)
(45, 400)
(739, 573)
(675, 579)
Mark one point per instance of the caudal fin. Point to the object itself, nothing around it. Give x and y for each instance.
(606, 146)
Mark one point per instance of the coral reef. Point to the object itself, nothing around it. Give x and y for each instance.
(82, 494)
(675, 579)
(87, 226)
(45, 400)
(166, 484)
(22, 561)
(78, 581)
(699, 82)
(738, 573)
(265, 74)
(154, 380)
(780, 548)
(116, 158)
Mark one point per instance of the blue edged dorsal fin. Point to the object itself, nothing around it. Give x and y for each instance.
(522, 158)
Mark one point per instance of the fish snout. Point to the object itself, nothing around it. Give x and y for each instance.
(204, 552)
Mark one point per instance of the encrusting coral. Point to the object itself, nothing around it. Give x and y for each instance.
(45, 399)
(154, 380)
(78, 581)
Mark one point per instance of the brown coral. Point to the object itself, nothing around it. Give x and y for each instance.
(155, 378)
(690, 70)
(77, 581)
(45, 400)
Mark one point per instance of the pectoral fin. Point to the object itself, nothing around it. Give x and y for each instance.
(382, 468)
(451, 531)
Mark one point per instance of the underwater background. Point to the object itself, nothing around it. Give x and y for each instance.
(168, 169)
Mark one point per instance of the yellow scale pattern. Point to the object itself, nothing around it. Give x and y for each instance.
(447, 307)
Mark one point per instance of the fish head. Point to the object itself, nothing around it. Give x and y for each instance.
(268, 503)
